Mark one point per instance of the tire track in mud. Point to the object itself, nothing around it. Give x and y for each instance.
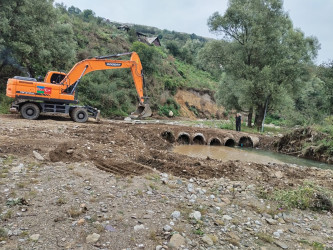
(127, 168)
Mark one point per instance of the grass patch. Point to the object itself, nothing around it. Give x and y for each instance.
(9, 160)
(265, 237)
(153, 177)
(153, 235)
(73, 212)
(61, 201)
(8, 215)
(307, 196)
(198, 232)
(3, 234)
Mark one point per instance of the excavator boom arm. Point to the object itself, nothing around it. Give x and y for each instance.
(104, 63)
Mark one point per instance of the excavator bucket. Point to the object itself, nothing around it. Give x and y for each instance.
(142, 111)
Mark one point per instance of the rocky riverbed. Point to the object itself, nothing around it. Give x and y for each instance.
(65, 185)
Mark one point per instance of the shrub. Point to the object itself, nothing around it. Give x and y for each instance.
(170, 105)
(307, 196)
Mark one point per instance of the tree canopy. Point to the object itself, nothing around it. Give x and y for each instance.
(264, 58)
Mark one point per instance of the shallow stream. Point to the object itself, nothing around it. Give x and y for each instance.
(245, 155)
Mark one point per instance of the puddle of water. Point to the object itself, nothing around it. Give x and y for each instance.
(245, 155)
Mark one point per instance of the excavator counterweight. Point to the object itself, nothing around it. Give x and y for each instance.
(56, 93)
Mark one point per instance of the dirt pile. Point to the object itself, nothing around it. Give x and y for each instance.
(196, 104)
(300, 142)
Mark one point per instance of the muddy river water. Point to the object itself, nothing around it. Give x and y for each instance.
(245, 155)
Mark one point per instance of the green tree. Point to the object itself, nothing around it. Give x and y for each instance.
(149, 56)
(173, 48)
(263, 53)
(32, 36)
(325, 73)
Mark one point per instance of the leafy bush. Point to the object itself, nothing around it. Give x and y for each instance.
(307, 196)
(5, 104)
(274, 119)
(230, 124)
(149, 56)
(170, 105)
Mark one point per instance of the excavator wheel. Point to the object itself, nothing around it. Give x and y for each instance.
(30, 111)
(80, 115)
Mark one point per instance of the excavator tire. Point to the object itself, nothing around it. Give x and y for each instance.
(30, 111)
(80, 115)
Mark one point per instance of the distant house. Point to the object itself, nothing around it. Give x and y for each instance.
(140, 35)
(124, 27)
(154, 40)
(148, 40)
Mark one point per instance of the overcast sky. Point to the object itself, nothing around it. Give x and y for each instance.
(313, 17)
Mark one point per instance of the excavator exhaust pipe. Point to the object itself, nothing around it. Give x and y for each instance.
(142, 111)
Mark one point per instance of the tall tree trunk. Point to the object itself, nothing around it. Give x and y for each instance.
(260, 112)
(249, 118)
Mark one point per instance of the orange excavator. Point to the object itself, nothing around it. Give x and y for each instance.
(56, 94)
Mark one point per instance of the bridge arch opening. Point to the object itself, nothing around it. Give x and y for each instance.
(184, 138)
(215, 142)
(230, 143)
(199, 139)
(245, 142)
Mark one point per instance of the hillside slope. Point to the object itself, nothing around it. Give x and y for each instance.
(167, 68)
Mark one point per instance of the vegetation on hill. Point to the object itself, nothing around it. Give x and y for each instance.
(263, 66)
(35, 41)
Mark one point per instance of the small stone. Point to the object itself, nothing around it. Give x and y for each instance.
(170, 113)
(81, 222)
(276, 234)
(167, 228)
(159, 247)
(17, 169)
(208, 240)
(110, 228)
(139, 227)
(104, 210)
(233, 236)
(127, 119)
(147, 216)
(38, 156)
(34, 237)
(280, 220)
(175, 215)
(281, 244)
(287, 218)
(70, 151)
(271, 221)
(226, 217)
(278, 174)
(225, 200)
(268, 216)
(177, 241)
(190, 188)
(196, 215)
(92, 238)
